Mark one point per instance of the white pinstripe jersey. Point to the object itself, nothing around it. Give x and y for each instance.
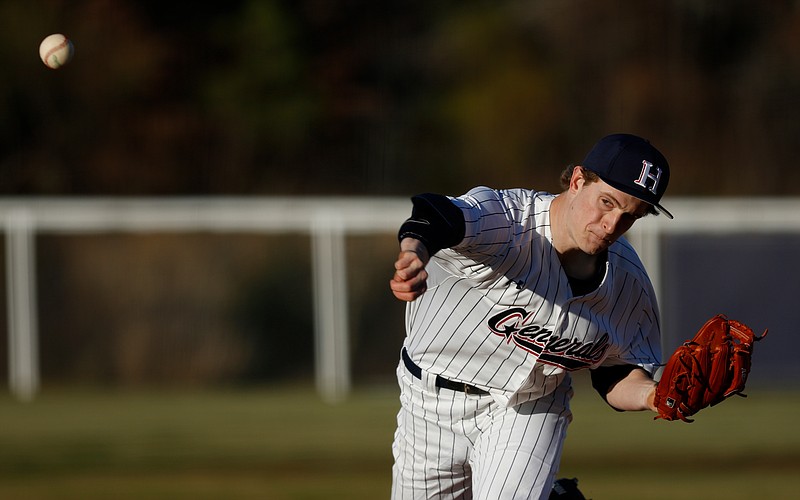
(499, 312)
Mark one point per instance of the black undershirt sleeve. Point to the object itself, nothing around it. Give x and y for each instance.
(435, 221)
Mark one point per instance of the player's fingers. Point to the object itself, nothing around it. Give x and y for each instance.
(408, 265)
(406, 294)
(411, 288)
(405, 260)
(402, 282)
(410, 297)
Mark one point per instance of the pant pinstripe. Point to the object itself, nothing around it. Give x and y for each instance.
(451, 445)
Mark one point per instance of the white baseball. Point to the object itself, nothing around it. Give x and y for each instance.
(56, 50)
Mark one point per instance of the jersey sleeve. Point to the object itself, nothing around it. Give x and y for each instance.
(644, 347)
(639, 327)
(493, 219)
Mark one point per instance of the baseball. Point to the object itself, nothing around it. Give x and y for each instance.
(56, 50)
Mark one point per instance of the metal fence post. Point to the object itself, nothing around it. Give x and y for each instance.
(23, 344)
(329, 272)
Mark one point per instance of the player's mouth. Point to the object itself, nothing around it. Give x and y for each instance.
(599, 243)
(601, 239)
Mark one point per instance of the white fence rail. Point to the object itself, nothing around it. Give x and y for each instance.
(327, 220)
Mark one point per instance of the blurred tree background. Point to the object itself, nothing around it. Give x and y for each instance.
(350, 97)
(390, 97)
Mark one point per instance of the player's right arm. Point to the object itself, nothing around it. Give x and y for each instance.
(435, 223)
(410, 278)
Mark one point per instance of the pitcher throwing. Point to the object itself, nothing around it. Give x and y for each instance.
(508, 292)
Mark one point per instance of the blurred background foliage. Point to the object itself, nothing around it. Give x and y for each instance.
(392, 97)
(348, 97)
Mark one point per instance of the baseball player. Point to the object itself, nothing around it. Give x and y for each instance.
(508, 291)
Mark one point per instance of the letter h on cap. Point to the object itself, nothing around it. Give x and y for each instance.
(646, 175)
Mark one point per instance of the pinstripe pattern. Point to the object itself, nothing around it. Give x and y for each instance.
(499, 314)
(450, 445)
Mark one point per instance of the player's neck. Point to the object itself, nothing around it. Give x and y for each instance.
(579, 265)
(559, 234)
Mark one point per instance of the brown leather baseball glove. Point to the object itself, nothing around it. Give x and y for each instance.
(706, 370)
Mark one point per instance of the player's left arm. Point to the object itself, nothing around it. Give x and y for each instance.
(625, 387)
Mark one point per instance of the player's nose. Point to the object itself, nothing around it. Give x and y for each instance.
(617, 222)
(610, 222)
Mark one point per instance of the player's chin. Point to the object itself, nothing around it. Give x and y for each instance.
(602, 241)
(596, 246)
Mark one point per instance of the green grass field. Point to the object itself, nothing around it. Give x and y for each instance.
(287, 444)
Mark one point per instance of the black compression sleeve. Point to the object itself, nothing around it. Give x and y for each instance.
(435, 221)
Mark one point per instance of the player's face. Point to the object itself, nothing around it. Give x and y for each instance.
(600, 214)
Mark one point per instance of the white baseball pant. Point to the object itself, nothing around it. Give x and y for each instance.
(453, 445)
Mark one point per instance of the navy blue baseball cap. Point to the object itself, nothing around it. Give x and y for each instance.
(632, 165)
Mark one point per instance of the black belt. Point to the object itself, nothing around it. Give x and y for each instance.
(440, 381)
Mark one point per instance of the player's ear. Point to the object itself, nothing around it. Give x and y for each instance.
(578, 178)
